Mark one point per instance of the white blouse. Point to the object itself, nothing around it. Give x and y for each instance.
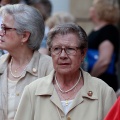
(66, 107)
(11, 98)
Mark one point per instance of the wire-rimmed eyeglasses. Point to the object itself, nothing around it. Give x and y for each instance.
(4, 28)
(70, 50)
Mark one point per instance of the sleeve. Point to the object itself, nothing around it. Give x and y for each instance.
(24, 111)
(111, 33)
(114, 113)
(109, 100)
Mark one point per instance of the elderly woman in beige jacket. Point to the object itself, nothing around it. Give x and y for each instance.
(21, 33)
(68, 92)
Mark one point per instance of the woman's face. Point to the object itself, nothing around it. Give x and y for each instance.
(92, 11)
(10, 39)
(63, 62)
(4, 2)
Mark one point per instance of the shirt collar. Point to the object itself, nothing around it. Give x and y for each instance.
(34, 64)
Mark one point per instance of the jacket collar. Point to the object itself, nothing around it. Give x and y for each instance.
(4, 60)
(47, 87)
(88, 90)
(32, 66)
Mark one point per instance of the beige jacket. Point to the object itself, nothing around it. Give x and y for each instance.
(39, 66)
(41, 102)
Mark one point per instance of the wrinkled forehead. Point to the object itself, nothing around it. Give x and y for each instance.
(63, 33)
(8, 20)
(69, 38)
(55, 36)
(7, 16)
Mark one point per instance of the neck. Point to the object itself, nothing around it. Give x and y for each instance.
(21, 58)
(66, 88)
(67, 79)
(100, 24)
(18, 68)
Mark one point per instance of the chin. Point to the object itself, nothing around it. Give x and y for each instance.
(64, 71)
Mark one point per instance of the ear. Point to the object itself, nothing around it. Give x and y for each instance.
(25, 36)
(83, 53)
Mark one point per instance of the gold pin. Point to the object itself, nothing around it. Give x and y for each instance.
(17, 94)
(68, 118)
(90, 93)
(66, 102)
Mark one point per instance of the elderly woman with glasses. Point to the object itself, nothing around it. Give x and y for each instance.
(68, 92)
(21, 33)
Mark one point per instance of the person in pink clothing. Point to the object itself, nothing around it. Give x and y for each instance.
(114, 113)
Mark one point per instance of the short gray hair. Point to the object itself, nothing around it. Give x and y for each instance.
(29, 19)
(67, 28)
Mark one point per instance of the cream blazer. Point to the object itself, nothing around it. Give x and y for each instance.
(39, 66)
(40, 101)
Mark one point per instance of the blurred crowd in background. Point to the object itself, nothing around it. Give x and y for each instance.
(102, 59)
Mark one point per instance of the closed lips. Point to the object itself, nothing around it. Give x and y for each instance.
(1, 40)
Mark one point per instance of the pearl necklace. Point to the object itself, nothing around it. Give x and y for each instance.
(16, 70)
(71, 87)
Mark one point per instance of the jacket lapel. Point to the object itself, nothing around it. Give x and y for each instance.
(47, 88)
(56, 100)
(88, 90)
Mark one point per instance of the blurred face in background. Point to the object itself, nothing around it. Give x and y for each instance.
(9, 38)
(92, 11)
(4, 2)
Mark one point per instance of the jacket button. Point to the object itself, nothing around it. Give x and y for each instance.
(34, 70)
(17, 94)
(68, 118)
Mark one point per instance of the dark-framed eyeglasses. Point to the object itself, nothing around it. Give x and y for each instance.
(70, 50)
(4, 28)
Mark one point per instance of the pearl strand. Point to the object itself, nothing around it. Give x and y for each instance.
(71, 87)
(13, 74)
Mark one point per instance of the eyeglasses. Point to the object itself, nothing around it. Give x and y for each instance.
(70, 50)
(4, 28)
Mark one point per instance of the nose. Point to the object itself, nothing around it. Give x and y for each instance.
(63, 53)
(1, 33)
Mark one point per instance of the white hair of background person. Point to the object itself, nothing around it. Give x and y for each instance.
(22, 15)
